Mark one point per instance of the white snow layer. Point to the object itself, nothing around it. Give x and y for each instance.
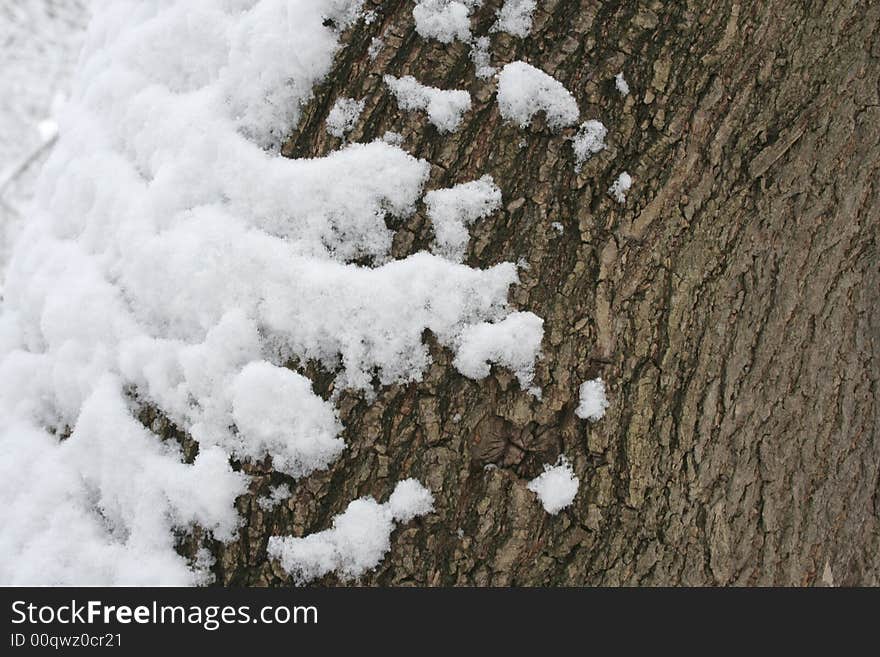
(524, 90)
(452, 210)
(173, 258)
(513, 343)
(593, 402)
(620, 187)
(443, 20)
(445, 108)
(556, 487)
(588, 141)
(358, 540)
(515, 17)
(343, 116)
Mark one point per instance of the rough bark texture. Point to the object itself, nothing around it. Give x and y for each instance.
(730, 305)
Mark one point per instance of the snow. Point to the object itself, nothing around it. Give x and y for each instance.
(358, 540)
(524, 90)
(556, 487)
(620, 83)
(276, 413)
(375, 47)
(445, 108)
(277, 494)
(592, 402)
(483, 68)
(514, 342)
(452, 210)
(588, 141)
(40, 43)
(443, 20)
(173, 259)
(515, 17)
(620, 187)
(343, 116)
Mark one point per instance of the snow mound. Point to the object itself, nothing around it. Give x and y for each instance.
(556, 487)
(445, 108)
(174, 262)
(452, 210)
(358, 540)
(592, 402)
(524, 90)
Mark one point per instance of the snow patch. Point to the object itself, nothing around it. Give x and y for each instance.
(593, 401)
(443, 20)
(621, 84)
(515, 17)
(277, 494)
(556, 487)
(481, 59)
(588, 141)
(514, 342)
(358, 540)
(620, 187)
(452, 210)
(445, 108)
(343, 116)
(524, 90)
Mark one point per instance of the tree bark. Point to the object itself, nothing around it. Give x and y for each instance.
(730, 305)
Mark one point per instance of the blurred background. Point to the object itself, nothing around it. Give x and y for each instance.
(40, 42)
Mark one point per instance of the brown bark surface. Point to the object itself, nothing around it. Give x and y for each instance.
(730, 305)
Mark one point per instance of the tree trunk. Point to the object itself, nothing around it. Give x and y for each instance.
(730, 305)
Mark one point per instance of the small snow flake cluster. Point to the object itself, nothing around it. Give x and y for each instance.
(358, 539)
(343, 116)
(593, 402)
(483, 68)
(556, 487)
(515, 17)
(620, 187)
(445, 108)
(588, 141)
(621, 84)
